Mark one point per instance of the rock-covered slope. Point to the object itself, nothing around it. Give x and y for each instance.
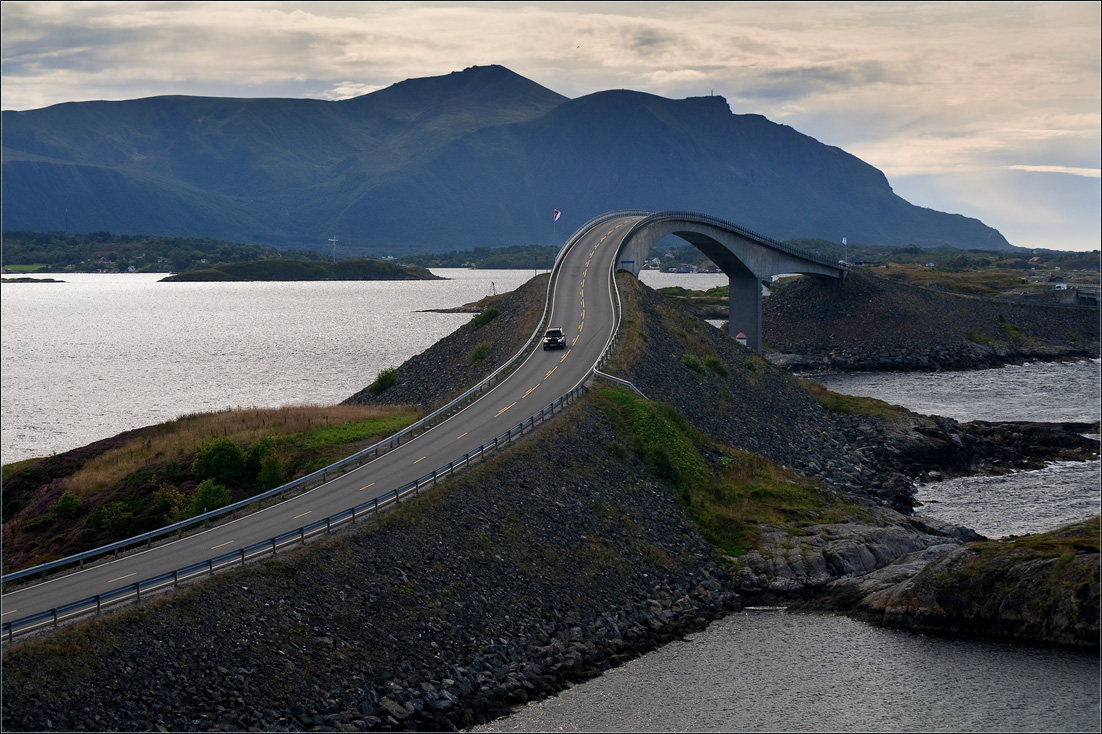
(874, 323)
(540, 568)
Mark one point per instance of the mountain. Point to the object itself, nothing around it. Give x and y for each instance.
(473, 158)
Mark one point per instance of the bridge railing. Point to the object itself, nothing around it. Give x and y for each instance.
(93, 605)
(748, 233)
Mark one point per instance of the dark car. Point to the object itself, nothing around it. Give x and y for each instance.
(555, 338)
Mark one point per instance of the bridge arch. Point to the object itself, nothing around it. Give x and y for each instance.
(748, 259)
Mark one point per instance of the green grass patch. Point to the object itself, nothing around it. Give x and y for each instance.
(982, 339)
(479, 353)
(852, 404)
(485, 317)
(1063, 542)
(717, 365)
(657, 433)
(749, 492)
(693, 362)
(730, 503)
(387, 378)
(348, 433)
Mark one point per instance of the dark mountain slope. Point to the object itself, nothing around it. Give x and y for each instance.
(474, 158)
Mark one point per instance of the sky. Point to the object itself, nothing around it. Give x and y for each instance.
(991, 110)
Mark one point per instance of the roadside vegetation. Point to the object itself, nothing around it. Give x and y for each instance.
(837, 402)
(156, 476)
(729, 492)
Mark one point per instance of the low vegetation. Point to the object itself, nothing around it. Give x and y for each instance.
(169, 472)
(485, 317)
(729, 492)
(852, 404)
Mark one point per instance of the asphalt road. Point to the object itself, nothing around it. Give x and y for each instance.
(582, 304)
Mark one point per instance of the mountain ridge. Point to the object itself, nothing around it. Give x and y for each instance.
(479, 157)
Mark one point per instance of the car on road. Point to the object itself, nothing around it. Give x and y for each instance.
(555, 338)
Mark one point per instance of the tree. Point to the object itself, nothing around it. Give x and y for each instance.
(220, 460)
(209, 496)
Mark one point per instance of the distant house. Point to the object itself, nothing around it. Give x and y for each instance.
(1036, 261)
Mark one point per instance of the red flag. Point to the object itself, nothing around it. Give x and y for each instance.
(557, 215)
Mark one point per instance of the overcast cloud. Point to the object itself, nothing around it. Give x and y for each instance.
(989, 110)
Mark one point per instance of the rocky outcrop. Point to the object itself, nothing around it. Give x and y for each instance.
(873, 323)
(1040, 588)
(797, 565)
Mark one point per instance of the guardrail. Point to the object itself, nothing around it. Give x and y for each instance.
(321, 476)
(95, 604)
(52, 618)
(760, 238)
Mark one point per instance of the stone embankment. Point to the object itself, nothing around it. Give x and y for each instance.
(873, 323)
(539, 569)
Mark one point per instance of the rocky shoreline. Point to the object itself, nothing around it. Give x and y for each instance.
(538, 570)
(870, 323)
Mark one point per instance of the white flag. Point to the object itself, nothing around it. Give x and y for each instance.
(557, 215)
(843, 240)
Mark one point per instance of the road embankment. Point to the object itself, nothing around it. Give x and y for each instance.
(581, 548)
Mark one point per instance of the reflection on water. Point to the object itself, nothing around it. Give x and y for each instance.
(771, 671)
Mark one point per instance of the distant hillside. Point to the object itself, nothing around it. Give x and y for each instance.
(474, 158)
(284, 270)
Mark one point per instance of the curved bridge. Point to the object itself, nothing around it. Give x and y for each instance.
(748, 259)
(581, 298)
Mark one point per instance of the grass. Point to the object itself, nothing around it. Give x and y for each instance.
(386, 378)
(728, 503)
(485, 317)
(986, 282)
(304, 427)
(1062, 543)
(852, 404)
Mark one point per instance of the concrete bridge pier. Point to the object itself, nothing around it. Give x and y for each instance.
(744, 301)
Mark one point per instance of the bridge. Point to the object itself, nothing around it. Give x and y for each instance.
(531, 387)
(749, 260)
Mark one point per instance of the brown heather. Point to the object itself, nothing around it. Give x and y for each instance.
(183, 436)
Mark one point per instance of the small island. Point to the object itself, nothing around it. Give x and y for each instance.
(298, 270)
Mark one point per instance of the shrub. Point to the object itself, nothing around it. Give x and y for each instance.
(385, 379)
(692, 362)
(110, 516)
(715, 364)
(172, 504)
(37, 523)
(209, 496)
(479, 353)
(67, 507)
(485, 317)
(271, 473)
(222, 460)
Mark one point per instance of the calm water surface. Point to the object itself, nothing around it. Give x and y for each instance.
(99, 354)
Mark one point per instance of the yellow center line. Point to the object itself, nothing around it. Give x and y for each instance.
(461, 435)
(583, 313)
(565, 356)
(302, 515)
(530, 390)
(584, 273)
(13, 611)
(370, 485)
(555, 367)
(511, 405)
(420, 460)
(223, 544)
(120, 578)
(573, 343)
